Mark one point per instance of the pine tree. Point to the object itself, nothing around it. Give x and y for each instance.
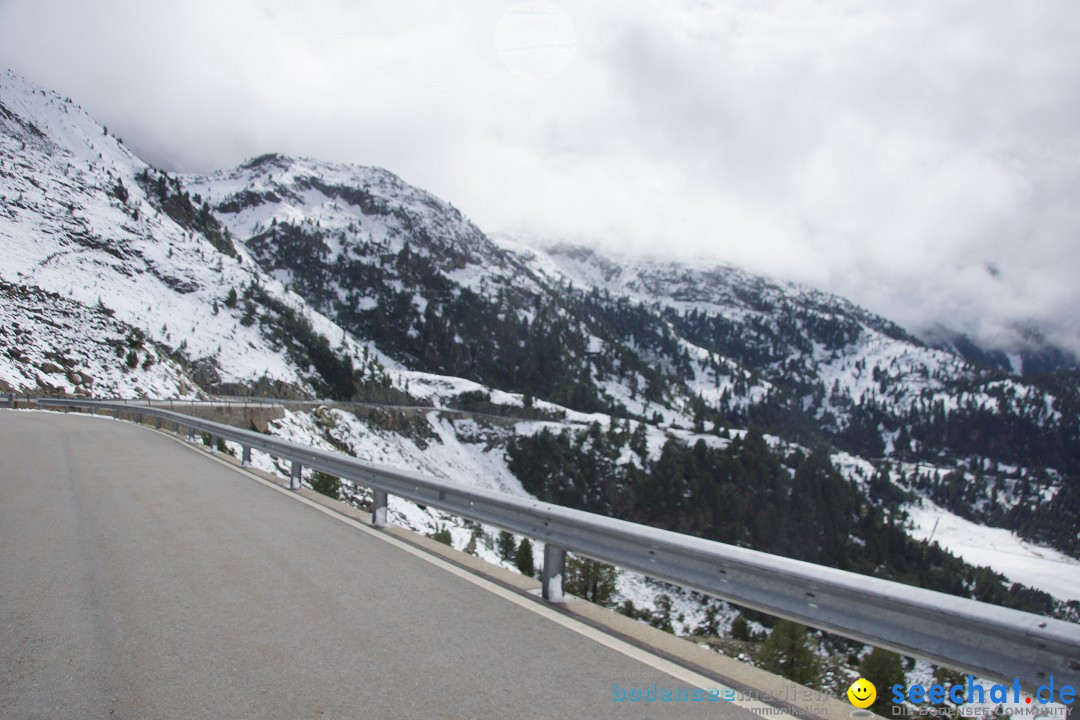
(506, 545)
(326, 484)
(590, 579)
(523, 559)
(710, 626)
(884, 669)
(740, 628)
(787, 652)
(661, 617)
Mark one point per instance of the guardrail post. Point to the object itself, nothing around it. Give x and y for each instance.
(138, 418)
(554, 571)
(191, 435)
(379, 504)
(116, 414)
(213, 443)
(246, 461)
(157, 423)
(294, 476)
(175, 428)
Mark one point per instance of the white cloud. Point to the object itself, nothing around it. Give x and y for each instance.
(922, 158)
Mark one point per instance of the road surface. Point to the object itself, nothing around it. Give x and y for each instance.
(141, 579)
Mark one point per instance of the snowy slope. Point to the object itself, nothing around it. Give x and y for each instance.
(1022, 562)
(359, 211)
(76, 220)
(750, 300)
(54, 344)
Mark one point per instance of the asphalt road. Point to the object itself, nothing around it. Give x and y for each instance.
(140, 579)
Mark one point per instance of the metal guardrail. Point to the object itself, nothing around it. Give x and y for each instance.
(211, 401)
(986, 640)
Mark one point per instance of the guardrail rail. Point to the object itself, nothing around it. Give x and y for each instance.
(986, 640)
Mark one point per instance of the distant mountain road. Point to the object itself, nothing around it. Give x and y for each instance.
(140, 579)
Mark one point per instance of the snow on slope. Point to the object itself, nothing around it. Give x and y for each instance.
(1042, 568)
(75, 220)
(912, 371)
(357, 209)
(741, 297)
(50, 342)
(64, 229)
(1038, 567)
(620, 276)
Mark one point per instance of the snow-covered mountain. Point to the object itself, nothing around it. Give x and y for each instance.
(83, 217)
(631, 386)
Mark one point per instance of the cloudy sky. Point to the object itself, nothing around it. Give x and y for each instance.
(920, 157)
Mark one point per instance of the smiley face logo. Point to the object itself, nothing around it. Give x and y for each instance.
(862, 693)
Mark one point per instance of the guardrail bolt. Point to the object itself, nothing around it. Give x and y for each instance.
(379, 505)
(294, 476)
(554, 572)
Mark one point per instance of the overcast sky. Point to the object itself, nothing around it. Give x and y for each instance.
(919, 157)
